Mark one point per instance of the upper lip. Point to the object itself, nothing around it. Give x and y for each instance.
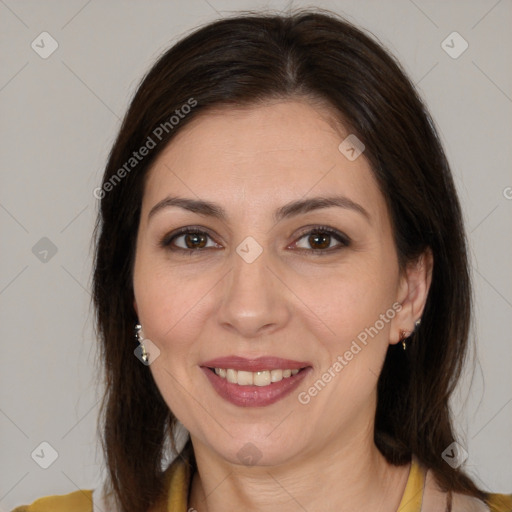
(255, 365)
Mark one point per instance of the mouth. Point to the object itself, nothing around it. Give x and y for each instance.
(262, 378)
(254, 382)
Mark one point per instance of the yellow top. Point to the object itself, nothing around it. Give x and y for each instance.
(179, 476)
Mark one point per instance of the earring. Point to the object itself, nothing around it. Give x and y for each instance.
(140, 339)
(403, 338)
(405, 334)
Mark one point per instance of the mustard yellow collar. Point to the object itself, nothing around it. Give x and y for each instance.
(180, 473)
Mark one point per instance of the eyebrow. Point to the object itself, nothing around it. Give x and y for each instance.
(292, 209)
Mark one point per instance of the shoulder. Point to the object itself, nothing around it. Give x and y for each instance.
(493, 503)
(178, 476)
(434, 499)
(499, 502)
(78, 501)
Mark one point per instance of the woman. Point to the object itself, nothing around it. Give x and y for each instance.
(280, 231)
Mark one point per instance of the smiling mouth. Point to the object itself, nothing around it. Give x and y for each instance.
(259, 378)
(254, 382)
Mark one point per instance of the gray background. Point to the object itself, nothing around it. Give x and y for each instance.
(59, 119)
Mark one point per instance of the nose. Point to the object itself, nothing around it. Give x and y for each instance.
(253, 300)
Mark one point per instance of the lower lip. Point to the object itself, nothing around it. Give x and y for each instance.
(254, 396)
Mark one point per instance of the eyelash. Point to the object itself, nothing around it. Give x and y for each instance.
(344, 241)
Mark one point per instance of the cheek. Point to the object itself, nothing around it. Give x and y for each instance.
(171, 304)
(355, 306)
(172, 307)
(349, 300)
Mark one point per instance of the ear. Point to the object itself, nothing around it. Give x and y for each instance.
(135, 307)
(412, 295)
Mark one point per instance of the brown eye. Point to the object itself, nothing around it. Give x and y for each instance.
(195, 240)
(189, 240)
(319, 241)
(322, 240)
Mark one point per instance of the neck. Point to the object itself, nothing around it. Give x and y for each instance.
(345, 475)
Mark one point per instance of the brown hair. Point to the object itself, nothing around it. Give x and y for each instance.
(251, 59)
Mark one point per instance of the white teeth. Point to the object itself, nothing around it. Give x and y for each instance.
(276, 375)
(245, 378)
(232, 376)
(221, 372)
(262, 378)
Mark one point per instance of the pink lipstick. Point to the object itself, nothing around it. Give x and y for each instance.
(254, 382)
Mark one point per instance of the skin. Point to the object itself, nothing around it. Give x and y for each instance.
(289, 303)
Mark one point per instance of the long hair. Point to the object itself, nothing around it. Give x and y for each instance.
(248, 60)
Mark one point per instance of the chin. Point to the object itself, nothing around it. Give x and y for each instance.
(258, 450)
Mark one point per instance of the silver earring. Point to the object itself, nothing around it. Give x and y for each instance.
(417, 323)
(140, 339)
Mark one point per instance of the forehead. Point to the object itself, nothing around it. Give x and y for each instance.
(275, 153)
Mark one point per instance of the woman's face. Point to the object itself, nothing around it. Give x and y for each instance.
(290, 265)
